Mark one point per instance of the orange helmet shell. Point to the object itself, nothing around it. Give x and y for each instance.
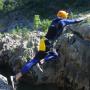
(62, 14)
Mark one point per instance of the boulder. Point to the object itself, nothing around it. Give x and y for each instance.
(4, 83)
(76, 59)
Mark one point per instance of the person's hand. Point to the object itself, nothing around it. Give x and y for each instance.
(79, 20)
(42, 61)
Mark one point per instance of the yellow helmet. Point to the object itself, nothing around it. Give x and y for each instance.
(62, 14)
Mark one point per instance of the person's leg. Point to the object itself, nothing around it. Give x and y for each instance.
(25, 69)
(51, 56)
(40, 55)
(18, 76)
(29, 65)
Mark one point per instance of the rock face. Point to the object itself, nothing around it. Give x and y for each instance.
(76, 59)
(70, 71)
(83, 29)
(15, 49)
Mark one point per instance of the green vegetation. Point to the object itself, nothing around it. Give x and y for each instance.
(9, 5)
(33, 7)
(38, 24)
(42, 10)
(43, 25)
(1, 4)
(24, 32)
(37, 21)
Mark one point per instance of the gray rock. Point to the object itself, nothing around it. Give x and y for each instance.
(4, 83)
(76, 56)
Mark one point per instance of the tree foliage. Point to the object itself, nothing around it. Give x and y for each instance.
(1, 4)
(8, 5)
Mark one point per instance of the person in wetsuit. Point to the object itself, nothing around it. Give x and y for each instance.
(46, 42)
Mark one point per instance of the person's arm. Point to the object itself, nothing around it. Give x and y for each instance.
(70, 21)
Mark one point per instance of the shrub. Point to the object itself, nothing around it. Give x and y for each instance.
(43, 25)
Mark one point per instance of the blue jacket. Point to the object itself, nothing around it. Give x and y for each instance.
(57, 27)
